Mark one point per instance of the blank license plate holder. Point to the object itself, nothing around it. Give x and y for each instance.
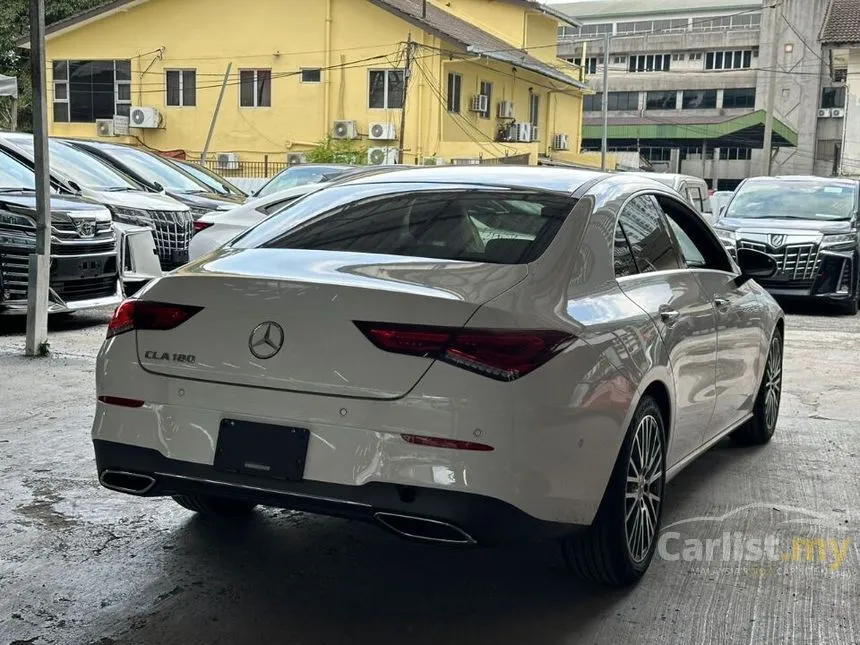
(261, 449)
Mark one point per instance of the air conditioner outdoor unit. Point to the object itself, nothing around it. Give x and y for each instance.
(144, 117)
(480, 103)
(506, 110)
(561, 142)
(381, 156)
(382, 131)
(521, 132)
(837, 113)
(295, 158)
(227, 161)
(344, 130)
(824, 113)
(466, 161)
(104, 128)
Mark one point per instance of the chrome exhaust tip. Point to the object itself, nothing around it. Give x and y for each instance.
(423, 529)
(124, 482)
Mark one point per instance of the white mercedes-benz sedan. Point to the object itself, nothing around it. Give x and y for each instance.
(463, 355)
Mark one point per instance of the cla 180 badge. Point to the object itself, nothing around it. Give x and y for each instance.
(167, 356)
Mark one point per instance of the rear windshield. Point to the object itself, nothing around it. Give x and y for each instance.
(495, 226)
(299, 176)
(795, 199)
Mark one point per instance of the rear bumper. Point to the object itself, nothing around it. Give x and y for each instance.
(484, 519)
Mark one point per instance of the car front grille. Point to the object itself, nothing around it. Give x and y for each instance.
(85, 288)
(794, 262)
(172, 233)
(14, 267)
(84, 248)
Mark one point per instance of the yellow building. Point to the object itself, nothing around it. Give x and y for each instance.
(299, 71)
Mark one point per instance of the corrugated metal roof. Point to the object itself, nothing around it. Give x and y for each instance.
(471, 38)
(646, 8)
(841, 23)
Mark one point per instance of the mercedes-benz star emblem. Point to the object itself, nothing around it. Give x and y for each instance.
(777, 241)
(266, 340)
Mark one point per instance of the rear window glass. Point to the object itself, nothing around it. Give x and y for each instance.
(504, 227)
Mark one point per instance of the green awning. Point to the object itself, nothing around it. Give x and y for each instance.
(744, 131)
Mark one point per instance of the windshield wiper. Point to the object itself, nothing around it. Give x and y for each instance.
(19, 189)
(120, 189)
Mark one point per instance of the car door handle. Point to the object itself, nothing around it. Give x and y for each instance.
(722, 303)
(669, 316)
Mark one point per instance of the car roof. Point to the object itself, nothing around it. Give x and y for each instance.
(806, 178)
(542, 178)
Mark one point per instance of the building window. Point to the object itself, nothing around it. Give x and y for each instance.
(696, 56)
(455, 84)
(735, 154)
(86, 90)
(739, 98)
(592, 103)
(678, 57)
(181, 87)
(591, 63)
(661, 100)
(311, 75)
(695, 153)
(739, 59)
(653, 26)
(833, 97)
(699, 99)
(620, 60)
(534, 114)
(827, 149)
(385, 89)
(656, 154)
(590, 30)
(487, 90)
(650, 63)
(255, 88)
(624, 101)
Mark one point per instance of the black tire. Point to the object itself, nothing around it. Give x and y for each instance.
(760, 428)
(602, 552)
(214, 506)
(851, 307)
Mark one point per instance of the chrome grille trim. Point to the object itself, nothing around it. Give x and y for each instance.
(794, 262)
(172, 231)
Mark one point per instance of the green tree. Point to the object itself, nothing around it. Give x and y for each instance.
(15, 23)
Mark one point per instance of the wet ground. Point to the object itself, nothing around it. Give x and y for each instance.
(82, 565)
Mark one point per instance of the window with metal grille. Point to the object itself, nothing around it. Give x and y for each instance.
(86, 90)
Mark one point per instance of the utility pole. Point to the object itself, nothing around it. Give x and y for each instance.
(39, 267)
(217, 110)
(406, 74)
(603, 144)
(767, 145)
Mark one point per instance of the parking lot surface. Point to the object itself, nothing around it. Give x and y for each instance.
(82, 565)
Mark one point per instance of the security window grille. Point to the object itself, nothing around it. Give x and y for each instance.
(255, 88)
(181, 87)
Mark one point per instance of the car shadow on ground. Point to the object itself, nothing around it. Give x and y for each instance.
(16, 324)
(806, 307)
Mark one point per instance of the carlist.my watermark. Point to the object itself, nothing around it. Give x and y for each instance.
(824, 542)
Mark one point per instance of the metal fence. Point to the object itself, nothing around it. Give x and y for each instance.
(239, 168)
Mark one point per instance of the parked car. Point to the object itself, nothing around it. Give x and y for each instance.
(376, 359)
(693, 189)
(298, 175)
(84, 270)
(719, 200)
(211, 179)
(157, 173)
(214, 229)
(809, 226)
(78, 173)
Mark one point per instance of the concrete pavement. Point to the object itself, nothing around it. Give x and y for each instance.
(82, 565)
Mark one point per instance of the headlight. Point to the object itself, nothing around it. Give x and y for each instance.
(845, 242)
(728, 238)
(132, 216)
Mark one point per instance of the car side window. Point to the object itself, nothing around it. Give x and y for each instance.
(694, 194)
(624, 262)
(644, 225)
(700, 248)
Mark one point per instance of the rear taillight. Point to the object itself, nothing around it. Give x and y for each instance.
(199, 226)
(501, 354)
(135, 314)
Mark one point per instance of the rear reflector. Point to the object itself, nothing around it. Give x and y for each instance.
(501, 354)
(118, 400)
(199, 226)
(133, 314)
(439, 442)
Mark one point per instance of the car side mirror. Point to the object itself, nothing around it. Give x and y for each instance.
(754, 264)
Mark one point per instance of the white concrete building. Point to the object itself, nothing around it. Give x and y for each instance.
(688, 84)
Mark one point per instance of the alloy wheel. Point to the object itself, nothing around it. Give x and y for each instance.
(644, 489)
(773, 384)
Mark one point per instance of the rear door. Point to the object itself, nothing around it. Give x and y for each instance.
(738, 311)
(681, 310)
